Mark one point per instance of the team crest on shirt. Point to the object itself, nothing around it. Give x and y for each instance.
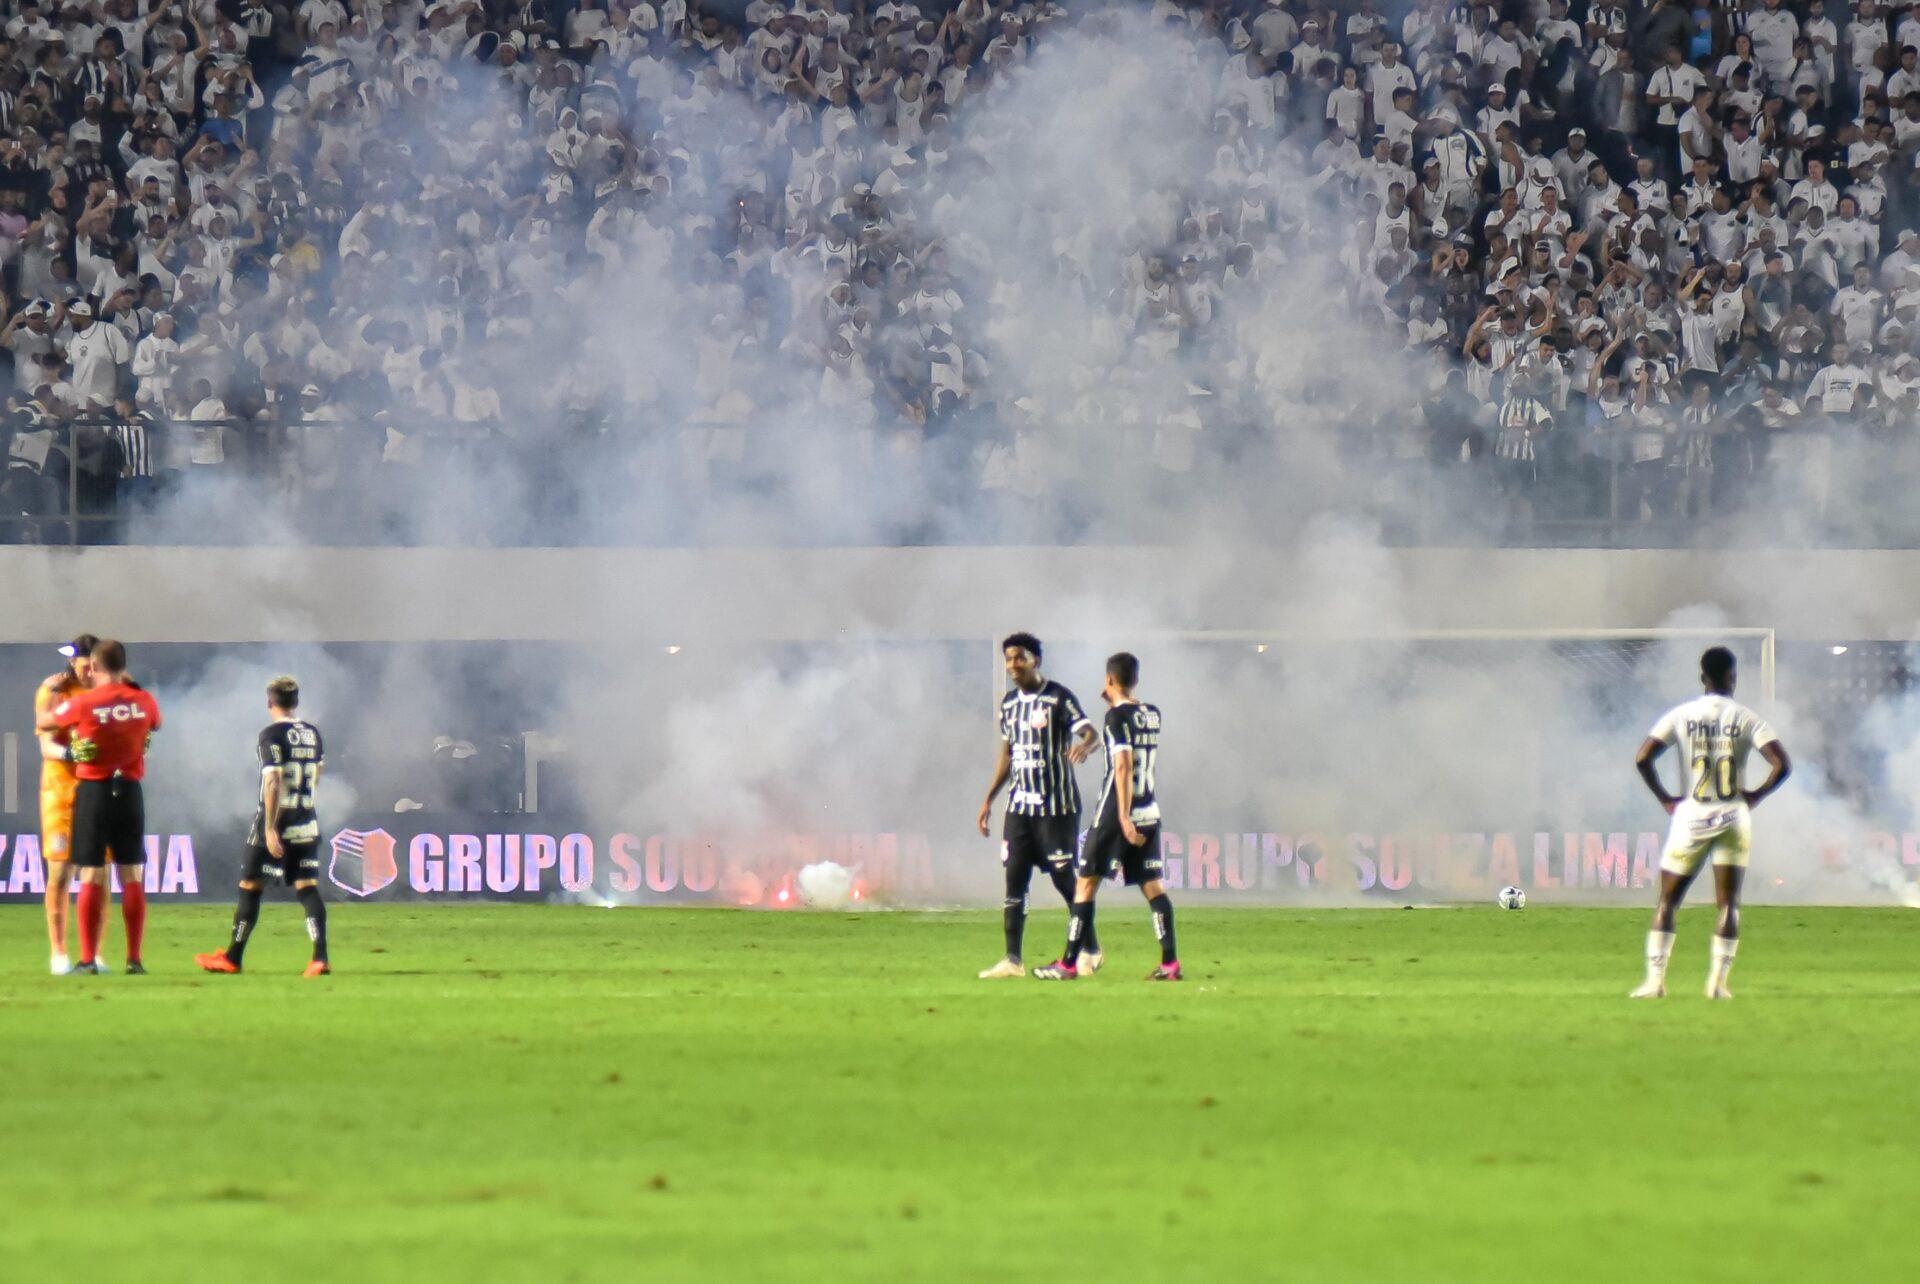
(1037, 720)
(363, 862)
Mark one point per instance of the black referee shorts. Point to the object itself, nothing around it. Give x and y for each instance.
(1044, 843)
(109, 816)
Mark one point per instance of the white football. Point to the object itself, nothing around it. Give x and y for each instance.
(826, 885)
(1512, 898)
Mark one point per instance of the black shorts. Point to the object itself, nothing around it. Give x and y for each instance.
(1038, 842)
(109, 816)
(1107, 849)
(302, 863)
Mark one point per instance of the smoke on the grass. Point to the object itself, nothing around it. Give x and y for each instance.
(1344, 722)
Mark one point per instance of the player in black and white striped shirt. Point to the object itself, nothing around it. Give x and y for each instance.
(1043, 733)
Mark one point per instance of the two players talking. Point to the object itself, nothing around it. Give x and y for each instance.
(1044, 733)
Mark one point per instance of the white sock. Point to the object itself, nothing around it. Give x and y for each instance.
(1659, 950)
(1724, 948)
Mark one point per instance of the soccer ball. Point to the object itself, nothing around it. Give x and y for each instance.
(826, 885)
(1512, 898)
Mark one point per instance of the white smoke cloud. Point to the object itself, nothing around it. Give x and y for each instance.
(1279, 429)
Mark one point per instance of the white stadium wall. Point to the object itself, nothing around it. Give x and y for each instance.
(231, 595)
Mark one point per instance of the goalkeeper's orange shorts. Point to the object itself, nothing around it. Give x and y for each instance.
(56, 817)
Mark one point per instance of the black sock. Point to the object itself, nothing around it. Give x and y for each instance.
(1079, 931)
(316, 921)
(1064, 882)
(1162, 907)
(245, 915)
(1014, 918)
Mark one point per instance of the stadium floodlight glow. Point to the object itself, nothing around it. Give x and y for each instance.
(673, 650)
(1260, 648)
(1839, 650)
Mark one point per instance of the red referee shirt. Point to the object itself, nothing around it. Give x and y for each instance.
(109, 727)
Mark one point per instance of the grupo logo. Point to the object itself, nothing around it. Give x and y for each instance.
(363, 861)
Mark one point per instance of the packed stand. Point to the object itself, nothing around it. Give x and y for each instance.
(1646, 255)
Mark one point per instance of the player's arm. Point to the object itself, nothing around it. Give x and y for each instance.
(1123, 790)
(1776, 755)
(270, 810)
(53, 746)
(1001, 770)
(1651, 749)
(61, 716)
(1083, 742)
(1084, 736)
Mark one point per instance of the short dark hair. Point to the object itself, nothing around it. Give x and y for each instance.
(110, 655)
(1025, 641)
(1717, 665)
(1124, 667)
(284, 693)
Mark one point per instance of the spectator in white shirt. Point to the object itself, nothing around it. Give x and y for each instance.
(1671, 87)
(1836, 389)
(1384, 77)
(1774, 29)
(1400, 124)
(1347, 103)
(1906, 77)
(1274, 28)
(1699, 132)
(153, 363)
(1815, 190)
(1856, 309)
(1647, 188)
(1854, 238)
(98, 354)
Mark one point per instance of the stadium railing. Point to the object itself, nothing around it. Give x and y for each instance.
(1836, 485)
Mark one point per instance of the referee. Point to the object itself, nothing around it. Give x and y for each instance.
(1043, 732)
(108, 726)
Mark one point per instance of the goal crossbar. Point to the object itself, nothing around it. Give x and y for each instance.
(1258, 637)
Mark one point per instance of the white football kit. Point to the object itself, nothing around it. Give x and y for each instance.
(1714, 735)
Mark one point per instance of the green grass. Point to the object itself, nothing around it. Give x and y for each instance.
(550, 1094)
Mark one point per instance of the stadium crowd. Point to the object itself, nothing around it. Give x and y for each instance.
(1650, 252)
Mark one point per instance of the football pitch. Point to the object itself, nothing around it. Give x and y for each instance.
(550, 1094)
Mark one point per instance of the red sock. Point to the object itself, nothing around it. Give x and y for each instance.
(133, 912)
(91, 910)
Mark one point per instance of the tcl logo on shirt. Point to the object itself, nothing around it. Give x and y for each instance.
(120, 713)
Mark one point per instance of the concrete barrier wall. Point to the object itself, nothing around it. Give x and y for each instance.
(220, 595)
